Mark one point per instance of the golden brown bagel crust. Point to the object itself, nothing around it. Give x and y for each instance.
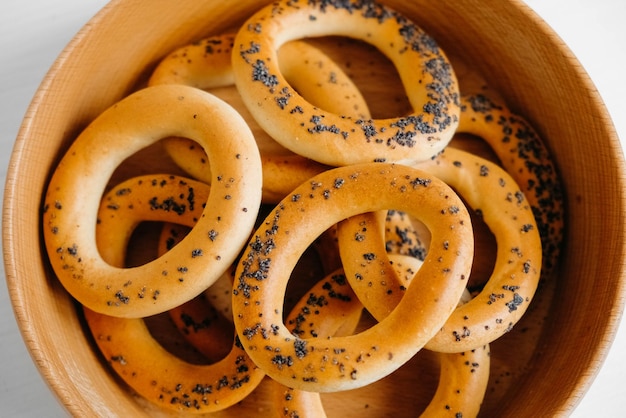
(463, 380)
(145, 198)
(165, 198)
(525, 156)
(490, 191)
(347, 362)
(329, 308)
(204, 64)
(166, 380)
(74, 193)
(334, 139)
(207, 64)
(127, 344)
(331, 304)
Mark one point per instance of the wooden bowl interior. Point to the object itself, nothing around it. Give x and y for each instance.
(504, 40)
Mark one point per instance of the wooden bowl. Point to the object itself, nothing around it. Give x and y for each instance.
(503, 41)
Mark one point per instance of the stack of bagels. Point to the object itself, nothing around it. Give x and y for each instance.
(298, 244)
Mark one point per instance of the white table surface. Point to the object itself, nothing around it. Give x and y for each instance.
(33, 32)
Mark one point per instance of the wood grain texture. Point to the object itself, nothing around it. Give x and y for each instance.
(526, 63)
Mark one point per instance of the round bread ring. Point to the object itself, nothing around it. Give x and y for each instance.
(71, 202)
(207, 64)
(343, 363)
(163, 378)
(127, 343)
(164, 198)
(527, 159)
(463, 376)
(487, 189)
(334, 139)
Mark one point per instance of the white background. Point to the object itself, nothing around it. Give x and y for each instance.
(33, 32)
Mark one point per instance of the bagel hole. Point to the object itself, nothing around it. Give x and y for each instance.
(315, 263)
(165, 332)
(363, 63)
(149, 160)
(475, 145)
(485, 246)
(311, 267)
(177, 340)
(384, 397)
(485, 249)
(409, 237)
(267, 145)
(485, 252)
(413, 239)
(142, 247)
